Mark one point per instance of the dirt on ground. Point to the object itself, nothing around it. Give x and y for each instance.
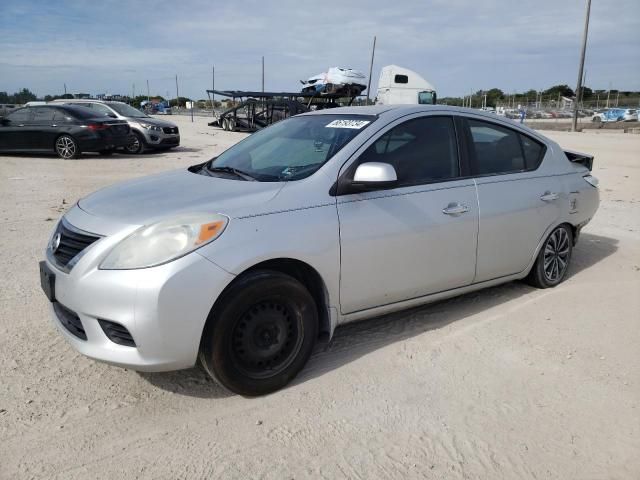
(509, 382)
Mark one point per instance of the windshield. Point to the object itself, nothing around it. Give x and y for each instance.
(427, 98)
(291, 149)
(127, 111)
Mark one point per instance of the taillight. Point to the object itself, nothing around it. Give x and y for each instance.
(97, 126)
(591, 180)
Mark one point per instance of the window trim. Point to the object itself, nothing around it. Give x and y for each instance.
(343, 184)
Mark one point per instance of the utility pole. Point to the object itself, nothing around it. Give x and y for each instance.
(177, 95)
(585, 33)
(617, 97)
(373, 53)
(134, 90)
(65, 88)
(213, 86)
(263, 74)
(148, 96)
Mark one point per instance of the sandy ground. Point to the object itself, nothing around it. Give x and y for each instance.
(510, 382)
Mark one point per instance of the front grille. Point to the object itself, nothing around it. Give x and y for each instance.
(69, 320)
(173, 130)
(117, 333)
(71, 242)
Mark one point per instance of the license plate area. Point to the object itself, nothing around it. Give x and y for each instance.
(48, 281)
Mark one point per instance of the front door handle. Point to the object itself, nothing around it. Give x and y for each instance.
(549, 196)
(455, 209)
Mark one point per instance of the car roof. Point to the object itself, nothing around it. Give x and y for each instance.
(400, 110)
(391, 113)
(83, 100)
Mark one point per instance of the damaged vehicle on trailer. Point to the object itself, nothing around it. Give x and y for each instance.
(336, 80)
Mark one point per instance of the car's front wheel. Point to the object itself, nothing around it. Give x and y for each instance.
(552, 263)
(260, 333)
(67, 147)
(137, 146)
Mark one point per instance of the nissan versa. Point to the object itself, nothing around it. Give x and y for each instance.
(244, 261)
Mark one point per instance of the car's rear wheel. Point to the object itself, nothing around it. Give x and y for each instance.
(66, 147)
(553, 260)
(137, 146)
(260, 333)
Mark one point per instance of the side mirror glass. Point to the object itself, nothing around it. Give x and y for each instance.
(374, 174)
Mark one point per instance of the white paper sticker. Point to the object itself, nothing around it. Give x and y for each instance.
(355, 124)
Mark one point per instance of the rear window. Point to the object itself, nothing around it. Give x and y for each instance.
(401, 79)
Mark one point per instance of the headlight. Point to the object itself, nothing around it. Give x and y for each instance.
(165, 241)
(148, 126)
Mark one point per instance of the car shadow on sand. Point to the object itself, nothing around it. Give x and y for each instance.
(357, 339)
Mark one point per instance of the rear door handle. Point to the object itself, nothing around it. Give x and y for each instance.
(455, 209)
(549, 196)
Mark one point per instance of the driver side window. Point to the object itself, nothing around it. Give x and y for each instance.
(422, 150)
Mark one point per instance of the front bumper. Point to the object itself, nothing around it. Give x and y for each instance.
(164, 308)
(154, 138)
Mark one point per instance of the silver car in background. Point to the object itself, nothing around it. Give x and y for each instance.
(244, 261)
(150, 133)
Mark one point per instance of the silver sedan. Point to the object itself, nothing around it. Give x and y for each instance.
(244, 261)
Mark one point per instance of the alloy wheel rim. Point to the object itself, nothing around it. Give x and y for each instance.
(66, 147)
(556, 255)
(266, 339)
(134, 146)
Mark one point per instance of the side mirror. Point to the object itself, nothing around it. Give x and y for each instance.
(112, 115)
(374, 175)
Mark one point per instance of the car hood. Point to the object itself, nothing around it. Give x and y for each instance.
(151, 121)
(148, 199)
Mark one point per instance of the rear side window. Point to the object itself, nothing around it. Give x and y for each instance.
(533, 152)
(401, 79)
(423, 150)
(19, 116)
(43, 115)
(499, 150)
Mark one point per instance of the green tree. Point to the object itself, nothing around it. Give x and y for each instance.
(563, 90)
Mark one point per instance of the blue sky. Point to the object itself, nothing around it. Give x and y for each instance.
(459, 46)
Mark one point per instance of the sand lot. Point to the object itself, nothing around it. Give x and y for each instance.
(509, 382)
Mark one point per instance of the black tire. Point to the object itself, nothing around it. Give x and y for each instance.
(225, 124)
(138, 146)
(66, 147)
(552, 264)
(260, 333)
(231, 125)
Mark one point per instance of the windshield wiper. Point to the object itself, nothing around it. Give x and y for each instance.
(234, 171)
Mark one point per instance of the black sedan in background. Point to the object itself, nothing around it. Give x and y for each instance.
(63, 129)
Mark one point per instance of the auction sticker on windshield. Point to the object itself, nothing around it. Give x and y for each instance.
(355, 124)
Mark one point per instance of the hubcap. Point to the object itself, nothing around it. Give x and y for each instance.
(65, 147)
(266, 339)
(556, 255)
